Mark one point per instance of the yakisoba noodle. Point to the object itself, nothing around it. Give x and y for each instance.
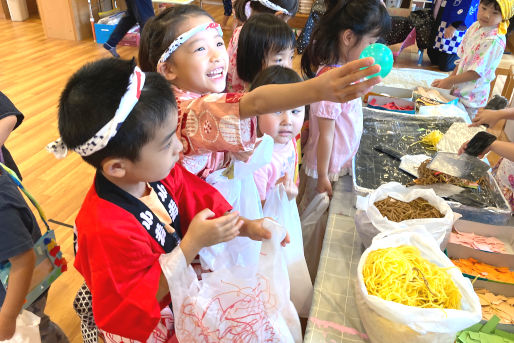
(401, 275)
(397, 211)
(428, 177)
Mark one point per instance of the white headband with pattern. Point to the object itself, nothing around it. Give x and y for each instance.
(109, 130)
(186, 36)
(273, 6)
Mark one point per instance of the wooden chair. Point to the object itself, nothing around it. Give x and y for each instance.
(503, 69)
(498, 129)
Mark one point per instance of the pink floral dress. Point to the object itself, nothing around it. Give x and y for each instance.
(234, 83)
(210, 128)
(481, 51)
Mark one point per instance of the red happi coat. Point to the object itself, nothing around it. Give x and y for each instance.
(119, 259)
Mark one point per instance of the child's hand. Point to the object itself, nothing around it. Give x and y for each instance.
(286, 240)
(449, 32)
(344, 84)
(7, 327)
(324, 185)
(253, 229)
(242, 155)
(486, 117)
(289, 185)
(443, 83)
(482, 154)
(206, 232)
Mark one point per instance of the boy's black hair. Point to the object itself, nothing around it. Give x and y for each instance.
(240, 6)
(92, 96)
(491, 2)
(261, 35)
(160, 31)
(361, 16)
(275, 75)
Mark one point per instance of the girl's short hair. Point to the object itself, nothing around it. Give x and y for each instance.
(92, 96)
(260, 36)
(361, 16)
(290, 6)
(491, 2)
(160, 31)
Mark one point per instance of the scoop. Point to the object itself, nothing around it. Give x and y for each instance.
(467, 165)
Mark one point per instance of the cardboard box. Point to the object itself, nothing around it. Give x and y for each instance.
(382, 100)
(396, 92)
(503, 233)
(497, 289)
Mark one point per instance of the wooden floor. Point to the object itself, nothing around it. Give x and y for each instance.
(33, 71)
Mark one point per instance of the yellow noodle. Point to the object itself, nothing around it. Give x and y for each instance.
(401, 275)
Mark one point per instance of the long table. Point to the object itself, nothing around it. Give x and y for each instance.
(334, 317)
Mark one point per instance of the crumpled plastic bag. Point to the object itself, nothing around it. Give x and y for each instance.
(229, 305)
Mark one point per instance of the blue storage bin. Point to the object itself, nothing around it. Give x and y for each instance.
(103, 32)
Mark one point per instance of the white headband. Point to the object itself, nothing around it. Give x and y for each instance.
(185, 36)
(109, 130)
(273, 6)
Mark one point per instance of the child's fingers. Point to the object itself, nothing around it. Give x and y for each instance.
(205, 214)
(232, 232)
(281, 180)
(357, 75)
(286, 240)
(356, 65)
(356, 90)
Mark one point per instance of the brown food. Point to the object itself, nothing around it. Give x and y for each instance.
(498, 305)
(428, 177)
(397, 211)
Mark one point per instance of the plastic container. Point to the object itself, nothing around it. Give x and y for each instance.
(18, 10)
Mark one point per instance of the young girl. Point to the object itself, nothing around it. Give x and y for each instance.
(185, 45)
(265, 40)
(283, 127)
(244, 9)
(335, 128)
(480, 53)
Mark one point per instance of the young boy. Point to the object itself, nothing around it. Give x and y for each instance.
(480, 53)
(19, 231)
(10, 119)
(141, 204)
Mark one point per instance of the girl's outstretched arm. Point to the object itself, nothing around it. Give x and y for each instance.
(325, 142)
(337, 85)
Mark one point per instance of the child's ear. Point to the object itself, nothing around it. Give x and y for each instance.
(114, 167)
(347, 38)
(167, 70)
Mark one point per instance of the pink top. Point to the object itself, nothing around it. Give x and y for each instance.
(347, 134)
(283, 160)
(209, 128)
(234, 83)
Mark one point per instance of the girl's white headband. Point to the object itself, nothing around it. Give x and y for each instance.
(273, 6)
(187, 35)
(109, 130)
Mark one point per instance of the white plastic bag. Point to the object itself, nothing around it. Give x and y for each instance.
(387, 321)
(242, 194)
(313, 230)
(228, 305)
(285, 212)
(369, 222)
(27, 329)
(318, 205)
